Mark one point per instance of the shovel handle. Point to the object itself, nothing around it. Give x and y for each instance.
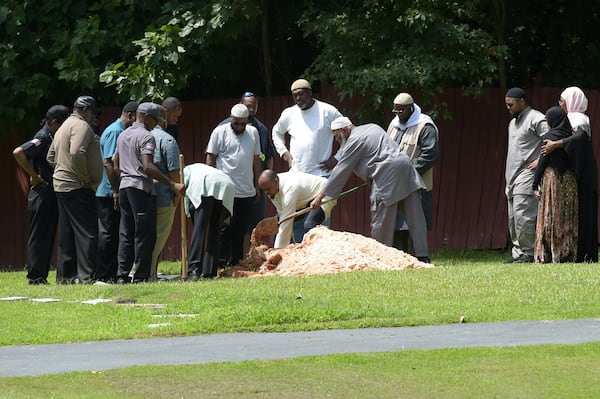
(307, 209)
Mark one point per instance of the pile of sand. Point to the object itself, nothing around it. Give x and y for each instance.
(326, 251)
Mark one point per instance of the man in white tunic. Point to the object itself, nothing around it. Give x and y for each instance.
(292, 191)
(373, 156)
(525, 133)
(234, 149)
(308, 125)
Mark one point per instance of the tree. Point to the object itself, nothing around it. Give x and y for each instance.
(377, 48)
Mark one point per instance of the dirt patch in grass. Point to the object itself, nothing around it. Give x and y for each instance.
(325, 251)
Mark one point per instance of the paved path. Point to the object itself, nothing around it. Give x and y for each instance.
(31, 360)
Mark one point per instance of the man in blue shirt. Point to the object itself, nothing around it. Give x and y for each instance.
(166, 158)
(107, 199)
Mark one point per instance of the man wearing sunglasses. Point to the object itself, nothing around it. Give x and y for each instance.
(418, 137)
(525, 132)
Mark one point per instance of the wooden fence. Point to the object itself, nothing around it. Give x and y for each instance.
(469, 202)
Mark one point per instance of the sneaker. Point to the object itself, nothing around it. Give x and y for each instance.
(38, 281)
(424, 259)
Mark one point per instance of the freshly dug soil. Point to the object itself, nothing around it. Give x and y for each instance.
(325, 251)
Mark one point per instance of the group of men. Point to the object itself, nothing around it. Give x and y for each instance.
(117, 194)
(106, 193)
(397, 164)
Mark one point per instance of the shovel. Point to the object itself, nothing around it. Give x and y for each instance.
(267, 225)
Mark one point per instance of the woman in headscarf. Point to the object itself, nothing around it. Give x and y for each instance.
(583, 162)
(555, 187)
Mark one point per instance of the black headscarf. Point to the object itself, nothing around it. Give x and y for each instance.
(560, 127)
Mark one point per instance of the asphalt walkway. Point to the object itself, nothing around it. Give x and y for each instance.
(30, 360)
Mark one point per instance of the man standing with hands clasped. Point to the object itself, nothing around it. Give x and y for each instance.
(234, 149)
(525, 132)
(308, 125)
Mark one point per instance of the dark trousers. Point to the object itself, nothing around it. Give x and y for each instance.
(77, 235)
(204, 244)
(108, 238)
(43, 218)
(239, 226)
(137, 233)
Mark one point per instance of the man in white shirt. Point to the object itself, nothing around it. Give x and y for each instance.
(292, 191)
(234, 149)
(308, 124)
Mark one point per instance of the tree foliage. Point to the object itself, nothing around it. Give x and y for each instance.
(51, 52)
(377, 48)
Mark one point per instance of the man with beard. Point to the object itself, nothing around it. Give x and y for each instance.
(373, 156)
(308, 125)
(525, 132)
(417, 136)
(250, 100)
(235, 149)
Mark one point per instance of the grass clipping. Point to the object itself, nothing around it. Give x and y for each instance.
(325, 251)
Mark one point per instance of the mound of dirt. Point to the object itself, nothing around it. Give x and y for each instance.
(325, 251)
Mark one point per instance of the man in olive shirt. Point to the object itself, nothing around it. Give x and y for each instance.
(75, 156)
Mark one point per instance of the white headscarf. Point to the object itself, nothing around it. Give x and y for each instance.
(577, 104)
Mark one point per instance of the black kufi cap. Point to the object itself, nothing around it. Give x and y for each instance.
(516, 92)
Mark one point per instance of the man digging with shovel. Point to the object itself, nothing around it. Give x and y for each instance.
(289, 192)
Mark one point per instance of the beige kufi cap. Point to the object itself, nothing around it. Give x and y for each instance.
(340, 122)
(239, 111)
(301, 84)
(403, 99)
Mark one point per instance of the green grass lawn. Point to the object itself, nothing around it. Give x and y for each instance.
(473, 284)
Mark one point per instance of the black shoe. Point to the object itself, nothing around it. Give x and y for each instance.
(194, 275)
(139, 280)
(122, 280)
(424, 259)
(38, 281)
(524, 259)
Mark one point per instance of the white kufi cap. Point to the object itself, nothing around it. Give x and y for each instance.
(239, 111)
(403, 99)
(340, 122)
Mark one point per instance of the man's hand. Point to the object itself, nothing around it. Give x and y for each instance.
(316, 203)
(532, 165)
(37, 179)
(288, 158)
(178, 188)
(116, 201)
(328, 164)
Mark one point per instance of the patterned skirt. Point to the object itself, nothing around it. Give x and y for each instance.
(557, 219)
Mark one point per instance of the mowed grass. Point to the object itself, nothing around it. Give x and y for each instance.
(473, 284)
(518, 372)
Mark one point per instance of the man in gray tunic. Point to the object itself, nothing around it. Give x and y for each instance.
(525, 133)
(373, 156)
